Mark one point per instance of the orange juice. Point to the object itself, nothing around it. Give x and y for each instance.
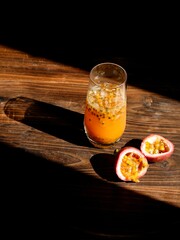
(105, 113)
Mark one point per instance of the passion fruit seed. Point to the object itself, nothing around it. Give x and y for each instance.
(131, 165)
(157, 147)
(116, 151)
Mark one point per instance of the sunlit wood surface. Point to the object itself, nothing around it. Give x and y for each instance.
(53, 180)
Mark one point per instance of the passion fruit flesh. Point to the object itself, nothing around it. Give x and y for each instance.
(156, 148)
(131, 164)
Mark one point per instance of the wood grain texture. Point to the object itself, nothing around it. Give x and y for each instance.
(50, 172)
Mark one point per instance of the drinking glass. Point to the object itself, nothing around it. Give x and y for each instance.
(106, 101)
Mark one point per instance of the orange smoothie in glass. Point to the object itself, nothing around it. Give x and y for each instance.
(105, 114)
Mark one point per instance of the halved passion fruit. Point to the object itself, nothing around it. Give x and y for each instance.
(131, 164)
(156, 148)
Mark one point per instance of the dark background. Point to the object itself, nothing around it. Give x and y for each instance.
(80, 32)
(143, 38)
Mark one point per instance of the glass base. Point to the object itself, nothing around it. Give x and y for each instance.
(101, 145)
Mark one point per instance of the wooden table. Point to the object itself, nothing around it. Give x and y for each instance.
(53, 182)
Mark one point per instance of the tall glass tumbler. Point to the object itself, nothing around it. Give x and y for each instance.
(106, 102)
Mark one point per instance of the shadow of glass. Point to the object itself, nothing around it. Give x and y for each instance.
(57, 121)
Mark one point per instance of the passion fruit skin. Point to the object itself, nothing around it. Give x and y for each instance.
(119, 157)
(153, 157)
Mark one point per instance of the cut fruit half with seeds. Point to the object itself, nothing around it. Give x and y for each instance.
(131, 164)
(156, 148)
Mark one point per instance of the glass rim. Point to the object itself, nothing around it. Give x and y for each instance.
(122, 69)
